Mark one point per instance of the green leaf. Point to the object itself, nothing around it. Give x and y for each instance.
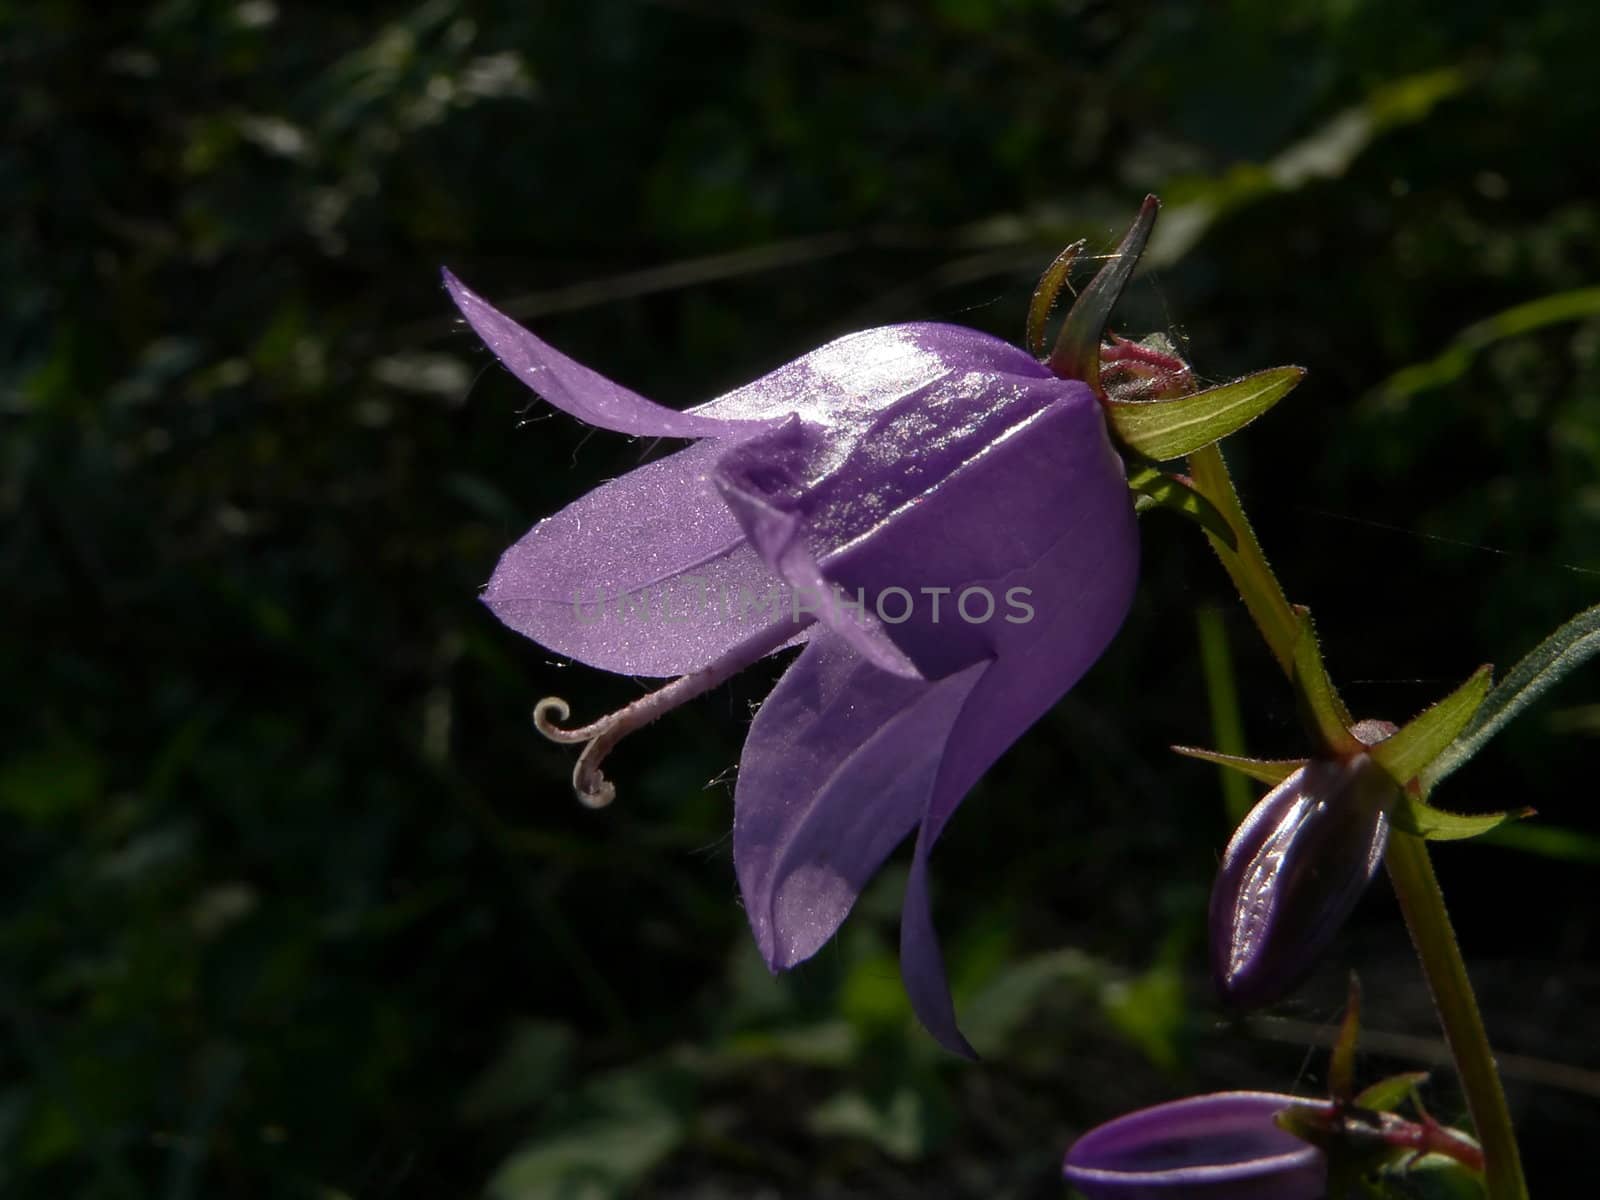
(1419, 741)
(1407, 755)
(1583, 719)
(1157, 489)
(1548, 841)
(1388, 1094)
(904, 1123)
(1044, 296)
(615, 1132)
(1323, 708)
(823, 1044)
(1267, 770)
(1342, 1061)
(1222, 698)
(1311, 1122)
(1431, 1177)
(1455, 360)
(605, 1160)
(871, 997)
(525, 1073)
(995, 1017)
(51, 784)
(1327, 152)
(1563, 652)
(1149, 1010)
(1167, 429)
(1417, 816)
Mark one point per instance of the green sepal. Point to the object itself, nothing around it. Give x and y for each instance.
(1389, 1094)
(1045, 294)
(1167, 429)
(1420, 740)
(1309, 1122)
(1416, 816)
(1077, 350)
(1157, 489)
(1268, 770)
(1324, 711)
(1410, 751)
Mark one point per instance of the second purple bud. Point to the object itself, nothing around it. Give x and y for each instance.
(1295, 868)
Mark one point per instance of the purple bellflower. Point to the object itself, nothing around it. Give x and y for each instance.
(1224, 1146)
(936, 518)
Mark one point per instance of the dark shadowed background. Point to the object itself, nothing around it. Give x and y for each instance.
(296, 904)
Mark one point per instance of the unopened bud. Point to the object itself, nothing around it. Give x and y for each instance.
(1295, 868)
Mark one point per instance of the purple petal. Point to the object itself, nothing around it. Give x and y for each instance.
(1081, 584)
(1223, 1146)
(844, 384)
(969, 482)
(1066, 532)
(838, 769)
(569, 385)
(922, 961)
(752, 479)
(649, 574)
(1042, 506)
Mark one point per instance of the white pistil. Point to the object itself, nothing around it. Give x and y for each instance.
(593, 789)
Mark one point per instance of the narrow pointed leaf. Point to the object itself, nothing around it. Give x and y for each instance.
(1222, 698)
(1417, 816)
(1267, 770)
(1457, 358)
(1077, 350)
(1323, 708)
(1419, 741)
(1568, 648)
(1157, 489)
(1549, 841)
(1045, 295)
(1342, 1062)
(1310, 1122)
(1166, 429)
(1388, 1094)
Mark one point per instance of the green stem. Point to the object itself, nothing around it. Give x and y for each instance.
(1410, 867)
(1227, 728)
(1258, 586)
(1422, 902)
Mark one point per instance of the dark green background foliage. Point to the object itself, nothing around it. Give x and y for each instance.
(296, 903)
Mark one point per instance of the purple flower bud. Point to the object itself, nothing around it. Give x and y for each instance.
(1295, 868)
(1225, 1146)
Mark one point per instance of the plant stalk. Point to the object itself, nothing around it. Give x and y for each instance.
(1410, 867)
(1421, 900)
(1247, 567)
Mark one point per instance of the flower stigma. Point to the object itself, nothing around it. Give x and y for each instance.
(598, 738)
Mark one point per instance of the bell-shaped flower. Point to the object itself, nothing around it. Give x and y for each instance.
(938, 519)
(1296, 866)
(1223, 1146)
